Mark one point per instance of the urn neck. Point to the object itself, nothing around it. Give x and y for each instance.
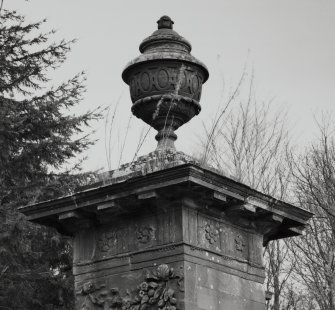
(166, 138)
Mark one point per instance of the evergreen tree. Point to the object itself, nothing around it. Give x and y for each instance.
(37, 136)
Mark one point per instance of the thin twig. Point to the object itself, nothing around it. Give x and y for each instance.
(141, 143)
(125, 139)
(1, 6)
(232, 97)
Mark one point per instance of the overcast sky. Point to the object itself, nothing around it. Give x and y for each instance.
(289, 44)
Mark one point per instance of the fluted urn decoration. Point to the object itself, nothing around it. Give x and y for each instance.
(165, 82)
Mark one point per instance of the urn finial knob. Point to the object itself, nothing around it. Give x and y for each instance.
(165, 22)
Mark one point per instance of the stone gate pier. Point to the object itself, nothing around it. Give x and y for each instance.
(166, 232)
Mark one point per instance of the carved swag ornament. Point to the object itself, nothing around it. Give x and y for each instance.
(154, 293)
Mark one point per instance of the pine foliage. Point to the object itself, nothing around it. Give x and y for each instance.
(37, 136)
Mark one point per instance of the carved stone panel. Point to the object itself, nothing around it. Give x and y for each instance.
(221, 237)
(158, 290)
(130, 235)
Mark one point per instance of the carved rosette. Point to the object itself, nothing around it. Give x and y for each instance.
(165, 82)
(239, 243)
(211, 233)
(145, 234)
(107, 241)
(156, 292)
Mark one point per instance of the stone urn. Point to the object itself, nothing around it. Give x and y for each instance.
(165, 82)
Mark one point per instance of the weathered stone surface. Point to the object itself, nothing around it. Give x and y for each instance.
(213, 269)
(207, 288)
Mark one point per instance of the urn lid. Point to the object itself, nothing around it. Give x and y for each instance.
(164, 44)
(165, 38)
